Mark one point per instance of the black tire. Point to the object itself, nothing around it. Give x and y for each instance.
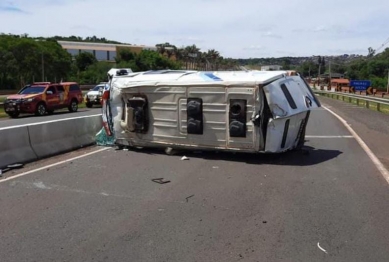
(13, 115)
(41, 109)
(89, 105)
(73, 107)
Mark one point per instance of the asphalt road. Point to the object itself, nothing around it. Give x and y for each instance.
(29, 119)
(217, 207)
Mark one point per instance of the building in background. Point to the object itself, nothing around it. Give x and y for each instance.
(271, 68)
(102, 51)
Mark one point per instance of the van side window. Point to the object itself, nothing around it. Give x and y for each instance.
(74, 88)
(60, 89)
(52, 89)
(288, 96)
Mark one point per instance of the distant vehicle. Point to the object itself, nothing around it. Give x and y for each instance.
(40, 98)
(93, 97)
(246, 111)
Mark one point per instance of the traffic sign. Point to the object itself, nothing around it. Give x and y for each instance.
(360, 85)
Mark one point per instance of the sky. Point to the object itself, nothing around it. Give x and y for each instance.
(235, 28)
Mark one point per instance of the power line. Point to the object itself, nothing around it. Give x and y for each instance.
(383, 44)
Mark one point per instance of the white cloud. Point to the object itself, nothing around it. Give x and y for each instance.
(254, 47)
(300, 27)
(271, 34)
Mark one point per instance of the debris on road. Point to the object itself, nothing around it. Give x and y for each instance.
(189, 197)
(160, 181)
(322, 249)
(103, 140)
(9, 167)
(184, 158)
(170, 151)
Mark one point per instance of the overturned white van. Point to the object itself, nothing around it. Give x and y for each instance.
(248, 111)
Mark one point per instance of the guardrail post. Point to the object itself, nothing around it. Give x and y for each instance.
(378, 106)
(367, 104)
(349, 99)
(357, 101)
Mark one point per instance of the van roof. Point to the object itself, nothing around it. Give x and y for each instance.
(187, 77)
(69, 83)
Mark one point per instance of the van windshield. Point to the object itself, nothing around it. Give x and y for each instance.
(32, 90)
(97, 88)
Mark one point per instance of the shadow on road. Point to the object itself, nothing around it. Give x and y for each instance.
(307, 157)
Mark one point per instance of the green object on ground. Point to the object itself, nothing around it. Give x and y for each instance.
(103, 140)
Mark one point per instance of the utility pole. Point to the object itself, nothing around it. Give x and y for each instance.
(330, 84)
(43, 69)
(387, 87)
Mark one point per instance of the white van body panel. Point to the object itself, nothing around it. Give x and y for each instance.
(167, 92)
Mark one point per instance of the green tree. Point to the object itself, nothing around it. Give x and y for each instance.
(125, 55)
(84, 59)
(370, 52)
(95, 73)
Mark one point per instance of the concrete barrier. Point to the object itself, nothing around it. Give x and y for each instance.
(52, 138)
(22, 144)
(15, 146)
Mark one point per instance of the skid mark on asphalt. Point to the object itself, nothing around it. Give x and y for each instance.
(52, 165)
(52, 187)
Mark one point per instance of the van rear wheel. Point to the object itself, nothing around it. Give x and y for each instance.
(73, 107)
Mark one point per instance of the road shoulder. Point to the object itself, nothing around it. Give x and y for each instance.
(371, 126)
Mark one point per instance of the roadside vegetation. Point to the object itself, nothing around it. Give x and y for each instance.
(25, 59)
(372, 67)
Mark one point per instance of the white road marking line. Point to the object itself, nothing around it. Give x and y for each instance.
(49, 121)
(52, 165)
(329, 136)
(322, 249)
(372, 156)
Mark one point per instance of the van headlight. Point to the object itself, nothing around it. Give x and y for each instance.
(28, 100)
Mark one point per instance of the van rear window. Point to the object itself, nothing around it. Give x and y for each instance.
(288, 96)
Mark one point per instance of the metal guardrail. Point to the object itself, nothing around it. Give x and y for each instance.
(381, 105)
(356, 95)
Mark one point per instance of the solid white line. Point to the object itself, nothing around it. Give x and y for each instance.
(49, 121)
(56, 164)
(329, 136)
(376, 161)
(322, 249)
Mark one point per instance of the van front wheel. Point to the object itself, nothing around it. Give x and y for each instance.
(40, 109)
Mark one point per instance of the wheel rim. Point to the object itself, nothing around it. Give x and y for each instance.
(74, 106)
(41, 109)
